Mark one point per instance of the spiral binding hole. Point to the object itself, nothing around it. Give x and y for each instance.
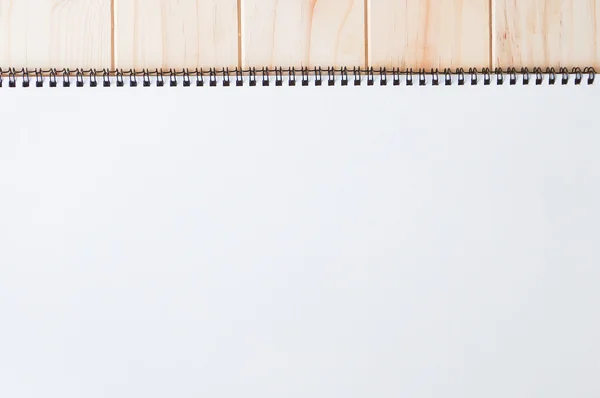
(474, 78)
(160, 80)
(383, 77)
(422, 79)
(26, 79)
(512, 76)
(105, 78)
(79, 78)
(239, 78)
(132, 79)
(499, 76)
(278, 77)
(591, 72)
(212, 78)
(52, 78)
(565, 76)
(409, 77)
(539, 76)
(370, 77)
(435, 77)
(578, 76)
(318, 76)
(330, 77)
(447, 77)
(226, 80)
(487, 77)
(461, 77)
(186, 78)
(120, 81)
(12, 78)
(551, 76)
(525, 76)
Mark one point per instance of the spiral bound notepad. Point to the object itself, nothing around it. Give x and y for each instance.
(354, 76)
(299, 233)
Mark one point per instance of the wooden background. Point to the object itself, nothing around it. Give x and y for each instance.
(245, 33)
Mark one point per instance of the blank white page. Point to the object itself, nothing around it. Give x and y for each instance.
(300, 242)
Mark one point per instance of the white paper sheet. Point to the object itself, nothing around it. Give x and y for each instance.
(300, 242)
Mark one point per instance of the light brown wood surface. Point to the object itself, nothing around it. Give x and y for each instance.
(303, 33)
(429, 33)
(55, 34)
(547, 33)
(175, 34)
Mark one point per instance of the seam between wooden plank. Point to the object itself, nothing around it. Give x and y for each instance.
(492, 26)
(112, 35)
(239, 32)
(367, 33)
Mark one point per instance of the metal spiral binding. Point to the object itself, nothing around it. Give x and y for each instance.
(253, 77)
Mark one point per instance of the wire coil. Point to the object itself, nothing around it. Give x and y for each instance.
(253, 77)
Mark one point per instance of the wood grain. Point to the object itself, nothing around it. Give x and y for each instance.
(176, 34)
(55, 34)
(204, 33)
(544, 33)
(302, 33)
(429, 33)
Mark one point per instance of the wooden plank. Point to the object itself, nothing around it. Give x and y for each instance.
(176, 34)
(544, 33)
(429, 33)
(55, 34)
(303, 33)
